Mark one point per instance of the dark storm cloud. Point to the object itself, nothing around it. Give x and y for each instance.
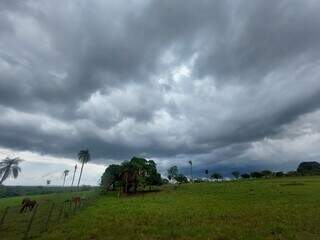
(204, 79)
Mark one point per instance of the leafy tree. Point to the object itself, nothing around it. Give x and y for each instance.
(180, 178)
(236, 174)
(65, 174)
(256, 174)
(130, 175)
(152, 177)
(309, 168)
(293, 174)
(9, 167)
(48, 182)
(172, 172)
(279, 174)
(111, 176)
(216, 176)
(84, 157)
(245, 175)
(266, 173)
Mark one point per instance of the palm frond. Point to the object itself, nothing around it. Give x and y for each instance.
(15, 171)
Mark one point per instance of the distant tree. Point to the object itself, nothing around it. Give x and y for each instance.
(309, 168)
(84, 157)
(236, 174)
(191, 174)
(279, 174)
(65, 174)
(48, 182)
(216, 176)
(180, 178)
(245, 175)
(266, 173)
(9, 167)
(165, 181)
(256, 175)
(172, 172)
(292, 174)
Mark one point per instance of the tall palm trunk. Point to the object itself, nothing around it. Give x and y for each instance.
(64, 180)
(5, 175)
(80, 174)
(74, 174)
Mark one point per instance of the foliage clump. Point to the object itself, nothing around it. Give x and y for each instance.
(130, 175)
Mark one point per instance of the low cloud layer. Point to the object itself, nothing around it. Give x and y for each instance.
(228, 84)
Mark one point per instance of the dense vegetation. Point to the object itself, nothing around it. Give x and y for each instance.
(138, 172)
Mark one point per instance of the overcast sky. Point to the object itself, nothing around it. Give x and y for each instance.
(228, 84)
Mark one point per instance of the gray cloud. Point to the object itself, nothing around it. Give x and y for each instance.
(170, 80)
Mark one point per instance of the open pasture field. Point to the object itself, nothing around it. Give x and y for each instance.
(282, 208)
(15, 223)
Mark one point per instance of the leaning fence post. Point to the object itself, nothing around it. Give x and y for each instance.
(4, 215)
(48, 218)
(60, 212)
(30, 222)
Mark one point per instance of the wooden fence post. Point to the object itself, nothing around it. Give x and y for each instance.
(4, 215)
(48, 218)
(30, 222)
(60, 212)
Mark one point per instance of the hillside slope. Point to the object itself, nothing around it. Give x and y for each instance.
(285, 208)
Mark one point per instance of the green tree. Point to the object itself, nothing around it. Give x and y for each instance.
(279, 174)
(172, 172)
(152, 177)
(110, 177)
(216, 176)
(266, 173)
(65, 174)
(84, 157)
(180, 178)
(131, 174)
(236, 174)
(245, 175)
(9, 167)
(256, 174)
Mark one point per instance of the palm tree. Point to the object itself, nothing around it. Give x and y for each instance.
(74, 174)
(84, 157)
(9, 167)
(191, 177)
(65, 174)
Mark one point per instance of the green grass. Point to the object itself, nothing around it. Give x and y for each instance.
(284, 208)
(15, 223)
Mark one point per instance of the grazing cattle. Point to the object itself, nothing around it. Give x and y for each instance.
(27, 203)
(75, 201)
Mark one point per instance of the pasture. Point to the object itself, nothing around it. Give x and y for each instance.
(15, 223)
(278, 208)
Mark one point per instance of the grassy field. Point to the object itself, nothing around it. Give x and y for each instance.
(15, 223)
(284, 208)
